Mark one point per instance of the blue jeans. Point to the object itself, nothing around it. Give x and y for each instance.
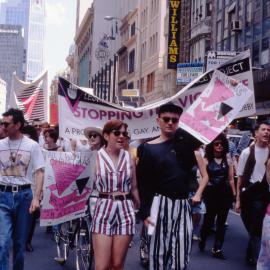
(15, 222)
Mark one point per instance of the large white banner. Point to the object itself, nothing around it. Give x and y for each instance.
(31, 98)
(67, 186)
(215, 108)
(79, 109)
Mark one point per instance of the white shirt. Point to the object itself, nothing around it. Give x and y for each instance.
(261, 156)
(64, 143)
(18, 160)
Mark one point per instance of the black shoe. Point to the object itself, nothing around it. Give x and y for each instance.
(217, 253)
(201, 244)
(251, 261)
(29, 247)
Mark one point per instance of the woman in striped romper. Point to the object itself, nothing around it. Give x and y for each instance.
(114, 218)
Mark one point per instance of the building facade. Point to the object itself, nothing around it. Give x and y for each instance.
(200, 29)
(11, 54)
(3, 90)
(83, 43)
(242, 25)
(30, 14)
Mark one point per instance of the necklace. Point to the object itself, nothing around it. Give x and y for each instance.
(13, 156)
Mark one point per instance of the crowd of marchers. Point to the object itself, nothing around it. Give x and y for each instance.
(179, 188)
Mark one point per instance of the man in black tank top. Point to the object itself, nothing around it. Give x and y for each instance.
(163, 172)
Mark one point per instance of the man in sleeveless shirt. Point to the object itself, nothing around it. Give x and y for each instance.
(251, 172)
(163, 171)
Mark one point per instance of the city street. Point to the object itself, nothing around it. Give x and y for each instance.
(234, 249)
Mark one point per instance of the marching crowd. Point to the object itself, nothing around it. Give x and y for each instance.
(172, 181)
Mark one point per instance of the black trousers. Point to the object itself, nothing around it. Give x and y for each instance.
(252, 214)
(218, 201)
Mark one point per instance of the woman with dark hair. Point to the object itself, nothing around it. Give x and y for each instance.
(114, 218)
(218, 195)
(51, 136)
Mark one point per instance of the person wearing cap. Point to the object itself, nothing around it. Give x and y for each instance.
(163, 171)
(93, 142)
(94, 137)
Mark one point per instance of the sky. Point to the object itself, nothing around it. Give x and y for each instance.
(60, 31)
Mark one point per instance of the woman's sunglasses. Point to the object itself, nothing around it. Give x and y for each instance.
(117, 133)
(218, 144)
(93, 135)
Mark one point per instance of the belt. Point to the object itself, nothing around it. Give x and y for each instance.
(115, 197)
(14, 188)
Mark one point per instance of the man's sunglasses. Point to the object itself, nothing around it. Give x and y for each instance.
(117, 133)
(37, 126)
(174, 120)
(5, 124)
(93, 135)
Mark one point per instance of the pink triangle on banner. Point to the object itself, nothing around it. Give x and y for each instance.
(65, 174)
(219, 94)
(29, 104)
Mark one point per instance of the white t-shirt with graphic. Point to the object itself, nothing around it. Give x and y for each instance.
(261, 156)
(18, 160)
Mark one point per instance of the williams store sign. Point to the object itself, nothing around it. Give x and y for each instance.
(174, 33)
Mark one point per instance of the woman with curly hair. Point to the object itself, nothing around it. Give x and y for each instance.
(218, 195)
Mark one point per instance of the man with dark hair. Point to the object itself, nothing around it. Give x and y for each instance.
(20, 157)
(164, 169)
(252, 188)
(37, 124)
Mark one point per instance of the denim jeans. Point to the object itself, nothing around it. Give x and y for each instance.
(15, 222)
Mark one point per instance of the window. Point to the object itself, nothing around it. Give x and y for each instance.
(248, 14)
(132, 29)
(208, 9)
(265, 52)
(266, 27)
(266, 8)
(131, 61)
(218, 31)
(150, 82)
(256, 53)
(256, 31)
(130, 85)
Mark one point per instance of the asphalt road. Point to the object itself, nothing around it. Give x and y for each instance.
(234, 249)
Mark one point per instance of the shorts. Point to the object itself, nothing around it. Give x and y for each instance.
(114, 217)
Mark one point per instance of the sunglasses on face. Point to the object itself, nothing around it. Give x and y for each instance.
(174, 120)
(93, 135)
(37, 126)
(218, 144)
(5, 124)
(117, 133)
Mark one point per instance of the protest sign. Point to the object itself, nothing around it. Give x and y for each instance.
(67, 186)
(79, 109)
(215, 108)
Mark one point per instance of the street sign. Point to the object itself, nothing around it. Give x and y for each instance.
(130, 92)
(216, 58)
(187, 72)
